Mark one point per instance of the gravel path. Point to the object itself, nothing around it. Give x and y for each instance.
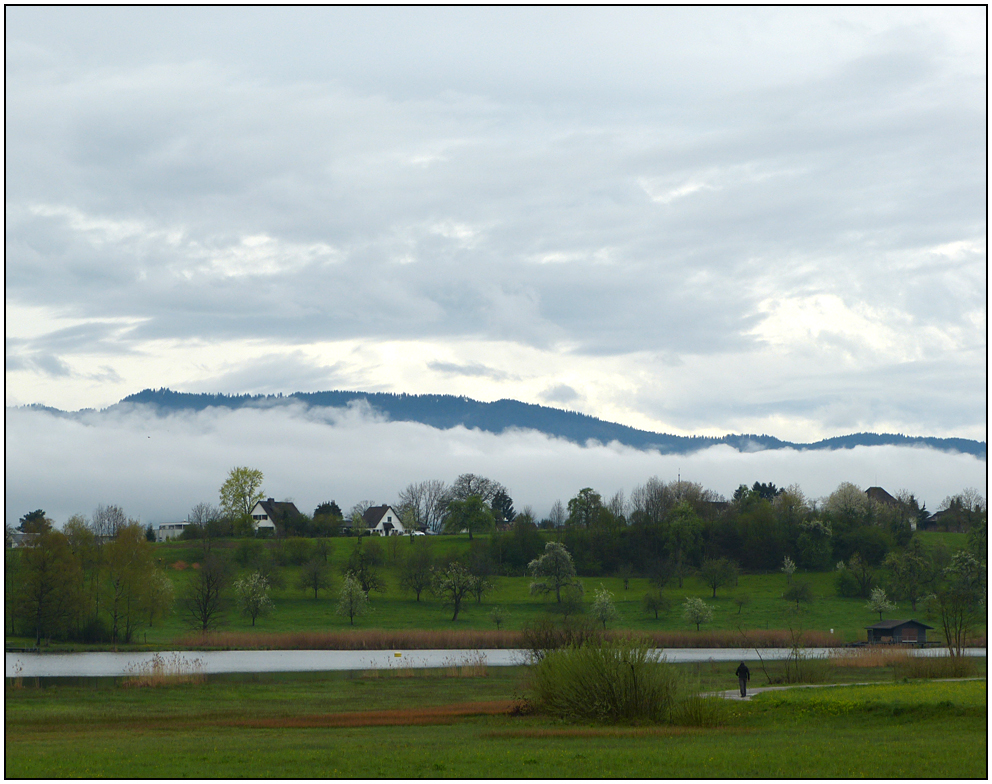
(735, 694)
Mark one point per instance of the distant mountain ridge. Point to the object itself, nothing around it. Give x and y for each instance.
(448, 411)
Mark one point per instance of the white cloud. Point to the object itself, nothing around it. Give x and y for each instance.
(157, 468)
(638, 204)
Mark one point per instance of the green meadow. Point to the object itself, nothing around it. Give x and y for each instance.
(393, 608)
(362, 725)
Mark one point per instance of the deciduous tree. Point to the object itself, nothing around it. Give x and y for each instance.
(240, 492)
(352, 601)
(203, 603)
(314, 575)
(603, 608)
(470, 515)
(452, 584)
(252, 596)
(415, 570)
(552, 571)
(695, 610)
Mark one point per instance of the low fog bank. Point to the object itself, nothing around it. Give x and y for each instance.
(158, 467)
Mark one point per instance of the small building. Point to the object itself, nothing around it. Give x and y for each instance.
(383, 520)
(905, 632)
(270, 513)
(168, 531)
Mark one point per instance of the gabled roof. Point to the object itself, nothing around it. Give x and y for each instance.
(279, 510)
(881, 496)
(374, 514)
(895, 624)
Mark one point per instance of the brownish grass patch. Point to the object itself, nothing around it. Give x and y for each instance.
(474, 639)
(440, 714)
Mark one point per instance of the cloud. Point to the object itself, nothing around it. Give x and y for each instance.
(560, 393)
(780, 190)
(158, 466)
(474, 370)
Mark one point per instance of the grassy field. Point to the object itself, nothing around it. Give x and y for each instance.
(395, 609)
(368, 725)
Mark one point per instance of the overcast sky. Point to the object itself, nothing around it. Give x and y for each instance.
(690, 220)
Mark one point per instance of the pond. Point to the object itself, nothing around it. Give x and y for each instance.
(105, 664)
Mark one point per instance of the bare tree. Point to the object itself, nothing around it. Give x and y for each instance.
(108, 520)
(203, 603)
(426, 501)
(617, 506)
(558, 515)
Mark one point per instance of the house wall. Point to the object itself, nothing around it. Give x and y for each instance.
(264, 522)
(390, 517)
(168, 531)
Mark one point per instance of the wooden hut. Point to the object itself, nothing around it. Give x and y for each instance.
(906, 632)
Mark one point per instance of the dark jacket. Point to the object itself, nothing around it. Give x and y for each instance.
(743, 672)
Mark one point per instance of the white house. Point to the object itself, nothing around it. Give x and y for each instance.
(269, 512)
(383, 520)
(167, 531)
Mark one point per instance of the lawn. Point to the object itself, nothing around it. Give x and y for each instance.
(350, 725)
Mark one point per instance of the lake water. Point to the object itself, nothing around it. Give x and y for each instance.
(60, 665)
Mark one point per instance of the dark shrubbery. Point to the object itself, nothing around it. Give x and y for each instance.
(606, 681)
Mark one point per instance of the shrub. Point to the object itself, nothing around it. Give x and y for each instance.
(615, 681)
(294, 551)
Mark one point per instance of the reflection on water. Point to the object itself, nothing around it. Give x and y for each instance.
(106, 664)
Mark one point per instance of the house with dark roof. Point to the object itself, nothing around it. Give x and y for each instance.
(880, 496)
(269, 514)
(905, 632)
(383, 520)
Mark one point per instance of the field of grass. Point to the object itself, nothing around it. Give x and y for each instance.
(296, 611)
(359, 726)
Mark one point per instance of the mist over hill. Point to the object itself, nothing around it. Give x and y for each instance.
(447, 411)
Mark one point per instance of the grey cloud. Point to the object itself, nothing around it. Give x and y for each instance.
(474, 370)
(272, 374)
(46, 364)
(560, 393)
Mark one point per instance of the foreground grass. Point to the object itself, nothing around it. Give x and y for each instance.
(346, 725)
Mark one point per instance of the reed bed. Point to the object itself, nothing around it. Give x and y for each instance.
(936, 667)
(363, 640)
(164, 671)
(870, 656)
(472, 665)
(474, 639)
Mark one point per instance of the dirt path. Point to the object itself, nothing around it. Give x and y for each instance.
(735, 694)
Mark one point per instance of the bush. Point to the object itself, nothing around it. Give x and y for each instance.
(294, 551)
(617, 681)
(847, 585)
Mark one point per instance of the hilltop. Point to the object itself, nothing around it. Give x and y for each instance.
(448, 411)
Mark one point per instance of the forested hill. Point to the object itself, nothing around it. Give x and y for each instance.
(447, 411)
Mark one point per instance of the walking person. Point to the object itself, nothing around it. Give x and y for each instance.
(743, 676)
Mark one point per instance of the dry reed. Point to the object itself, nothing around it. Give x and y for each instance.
(474, 639)
(473, 665)
(869, 656)
(162, 671)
